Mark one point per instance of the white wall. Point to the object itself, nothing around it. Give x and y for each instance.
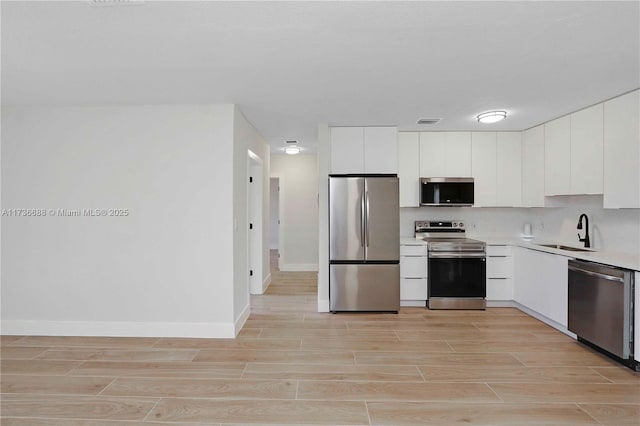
(484, 221)
(166, 269)
(610, 229)
(274, 213)
(245, 139)
(324, 165)
(299, 216)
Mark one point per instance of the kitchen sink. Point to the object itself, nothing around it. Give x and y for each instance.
(561, 247)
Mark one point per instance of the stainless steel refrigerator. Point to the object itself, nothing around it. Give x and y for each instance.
(364, 243)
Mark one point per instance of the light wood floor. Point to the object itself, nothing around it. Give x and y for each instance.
(292, 365)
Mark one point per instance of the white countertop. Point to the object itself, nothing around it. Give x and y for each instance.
(619, 259)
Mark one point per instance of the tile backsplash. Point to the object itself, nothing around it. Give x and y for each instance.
(610, 229)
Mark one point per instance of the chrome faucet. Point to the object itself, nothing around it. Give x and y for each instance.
(586, 241)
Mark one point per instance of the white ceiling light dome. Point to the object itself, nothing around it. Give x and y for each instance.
(292, 150)
(491, 117)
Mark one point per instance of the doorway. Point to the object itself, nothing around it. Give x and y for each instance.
(274, 223)
(254, 225)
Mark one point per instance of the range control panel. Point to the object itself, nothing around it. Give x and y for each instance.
(439, 226)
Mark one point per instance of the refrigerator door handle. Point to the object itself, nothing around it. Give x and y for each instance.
(366, 195)
(362, 221)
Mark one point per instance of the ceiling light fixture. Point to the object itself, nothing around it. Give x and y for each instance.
(292, 150)
(492, 116)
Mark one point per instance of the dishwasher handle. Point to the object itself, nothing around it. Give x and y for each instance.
(596, 274)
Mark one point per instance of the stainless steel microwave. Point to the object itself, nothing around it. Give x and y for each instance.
(454, 192)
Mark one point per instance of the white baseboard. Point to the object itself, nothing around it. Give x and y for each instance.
(291, 267)
(545, 320)
(323, 305)
(244, 316)
(414, 303)
(118, 329)
(266, 282)
(501, 304)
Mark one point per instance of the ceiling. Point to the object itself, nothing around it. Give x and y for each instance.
(292, 65)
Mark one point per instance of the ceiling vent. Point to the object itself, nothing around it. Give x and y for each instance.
(429, 120)
(116, 2)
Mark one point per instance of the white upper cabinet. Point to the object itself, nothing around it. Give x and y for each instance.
(573, 153)
(445, 154)
(358, 150)
(557, 156)
(509, 169)
(457, 154)
(622, 151)
(587, 150)
(484, 168)
(533, 167)
(496, 163)
(381, 150)
(347, 150)
(432, 154)
(409, 168)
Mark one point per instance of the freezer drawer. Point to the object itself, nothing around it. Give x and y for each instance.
(364, 287)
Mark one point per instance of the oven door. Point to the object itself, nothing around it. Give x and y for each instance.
(457, 280)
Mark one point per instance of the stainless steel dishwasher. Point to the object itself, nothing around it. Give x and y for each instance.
(601, 307)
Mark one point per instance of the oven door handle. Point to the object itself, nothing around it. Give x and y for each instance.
(456, 255)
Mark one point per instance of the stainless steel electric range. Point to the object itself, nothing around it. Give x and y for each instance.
(457, 265)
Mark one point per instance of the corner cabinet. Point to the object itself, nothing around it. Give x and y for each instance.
(533, 167)
(364, 150)
(557, 156)
(587, 150)
(573, 153)
(541, 283)
(622, 151)
(509, 169)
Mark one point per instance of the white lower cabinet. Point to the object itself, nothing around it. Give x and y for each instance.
(541, 283)
(413, 272)
(499, 272)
